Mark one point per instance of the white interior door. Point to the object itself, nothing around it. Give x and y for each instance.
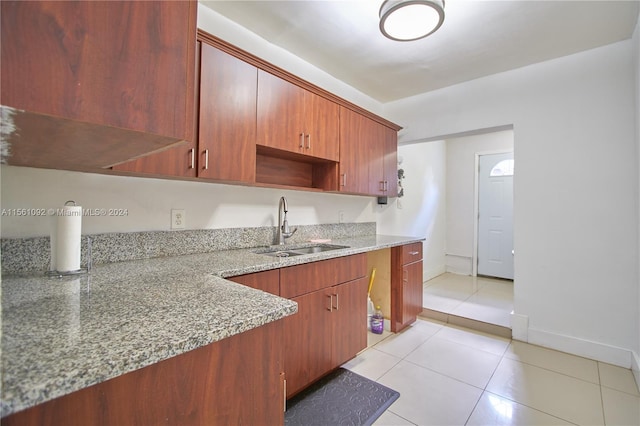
(495, 215)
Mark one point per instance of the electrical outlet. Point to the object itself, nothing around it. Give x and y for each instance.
(178, 219)
(340, 217)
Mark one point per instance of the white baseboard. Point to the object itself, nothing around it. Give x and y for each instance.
(432, 272)
(462, 265)
(588, 349)
(519, 327)
(635, 368)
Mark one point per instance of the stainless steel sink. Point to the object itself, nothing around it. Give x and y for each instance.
(298, 251)
(317, 248)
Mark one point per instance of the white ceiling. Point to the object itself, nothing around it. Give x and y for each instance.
(478, 38)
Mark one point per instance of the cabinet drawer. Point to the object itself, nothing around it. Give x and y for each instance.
(411, 253)
(302, 279)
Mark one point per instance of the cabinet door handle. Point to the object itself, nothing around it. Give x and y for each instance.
(309, 141)
(192, 158)
(285, 395)
(301, 140)
(381, 186)
(386, 185)
(337, 307)
(344, 179)
(330, 308)
(206, 159)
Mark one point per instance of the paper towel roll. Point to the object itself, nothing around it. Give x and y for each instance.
(68, 232)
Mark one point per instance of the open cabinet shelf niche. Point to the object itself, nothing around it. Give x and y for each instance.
(278, 167)
(381, 290)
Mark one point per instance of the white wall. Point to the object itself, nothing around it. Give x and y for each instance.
(149, 203)
(576, 197)
(461, 175)
(421, 212)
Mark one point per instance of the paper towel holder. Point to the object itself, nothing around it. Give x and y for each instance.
(80, 271)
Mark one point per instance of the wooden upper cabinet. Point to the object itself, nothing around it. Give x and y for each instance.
(391, 161)
(224, 148)
(227, 127)
(127, 65)
(294, 119)
(368, 156)
(383, 164)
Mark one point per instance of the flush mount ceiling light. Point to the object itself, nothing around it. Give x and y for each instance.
(407, 20)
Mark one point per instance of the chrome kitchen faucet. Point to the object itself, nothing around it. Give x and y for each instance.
(283, 225)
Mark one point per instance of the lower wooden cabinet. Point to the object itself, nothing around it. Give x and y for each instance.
(267, 281)
(329, 329)
(349, 321)
(406, 285)
(307, 340)
(237, 380)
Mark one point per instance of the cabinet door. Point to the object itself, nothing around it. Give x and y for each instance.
(355, 130)
(406, 285)
(280, 113)
(377, 143)
(322, 117)
(307, 341)
(124, 64)
(390, 162)
(227, 129)
(412, 282)
(383, 161)
(349, 320)
(179, 161)
(268, 281)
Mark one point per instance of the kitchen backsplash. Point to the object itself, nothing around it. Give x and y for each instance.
(28, 255)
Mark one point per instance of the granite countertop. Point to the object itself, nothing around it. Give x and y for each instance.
(60, 335)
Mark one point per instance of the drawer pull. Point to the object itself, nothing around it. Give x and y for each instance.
(413, 253)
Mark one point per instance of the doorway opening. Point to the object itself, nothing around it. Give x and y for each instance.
(477, 283)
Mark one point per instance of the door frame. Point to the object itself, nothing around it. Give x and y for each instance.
(476, 202)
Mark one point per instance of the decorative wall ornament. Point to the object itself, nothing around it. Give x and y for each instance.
(400, 177)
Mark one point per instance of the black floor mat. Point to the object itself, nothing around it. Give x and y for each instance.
(340, 398)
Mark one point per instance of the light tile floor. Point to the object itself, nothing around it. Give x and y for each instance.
(448, 375)
(483, 299)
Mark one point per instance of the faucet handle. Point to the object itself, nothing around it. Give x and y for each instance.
(289, 234)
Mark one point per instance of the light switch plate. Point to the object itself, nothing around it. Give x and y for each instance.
(178, 219)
